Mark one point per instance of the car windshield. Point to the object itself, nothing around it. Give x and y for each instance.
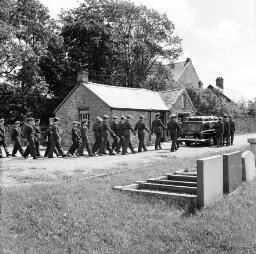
(191, 126)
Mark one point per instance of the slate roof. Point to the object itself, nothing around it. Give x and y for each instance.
(171, 96)
(176, 69)
(128, 98)
(230, 96)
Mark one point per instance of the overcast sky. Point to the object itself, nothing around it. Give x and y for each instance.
(218, 35)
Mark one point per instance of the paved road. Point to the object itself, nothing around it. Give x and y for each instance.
(18, 171)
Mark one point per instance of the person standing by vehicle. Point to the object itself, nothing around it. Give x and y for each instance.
(232, 129)
(226, 133)
(219, 129)
(15, 136)
(141, 126)
(156, 129)
(173, 129)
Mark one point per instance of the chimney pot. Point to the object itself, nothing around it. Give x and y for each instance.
(82, 76)
(220, 82)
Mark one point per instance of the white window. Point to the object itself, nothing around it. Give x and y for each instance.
(84, 115)
(183, 101)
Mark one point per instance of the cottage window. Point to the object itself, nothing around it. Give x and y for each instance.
(84, 115)
(183, 101)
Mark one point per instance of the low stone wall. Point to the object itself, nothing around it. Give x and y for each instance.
(245, 125)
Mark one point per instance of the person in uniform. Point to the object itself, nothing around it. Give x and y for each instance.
(226, 133)
(97, 135)
(140, 127)
(180, 131)
(156, 129)
(127, 127)
(105, 144)
(29, 132)
(3, 139)
(113, 127)
(48, 134)
(173, 130)
(85, 139)
(16, 136)
(37, 137)
(55, 139)
(219, 129)
(232, 129)
(120, 134)
(76, 139)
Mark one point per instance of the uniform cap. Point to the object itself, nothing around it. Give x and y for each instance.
(84, 121)
(105, 117)
(115, 117)
(225, 116)
(37, 120)
(30, 119)
(141, 117)
(56, 119)
(172, 115)
(98, 119)
(129, 117)
(220, 118)
(17, 122)
(1, 120)
(122, 117)
(157, 114)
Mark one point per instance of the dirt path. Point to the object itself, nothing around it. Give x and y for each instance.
(17, 171)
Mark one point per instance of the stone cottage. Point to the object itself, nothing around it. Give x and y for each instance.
(88, 100)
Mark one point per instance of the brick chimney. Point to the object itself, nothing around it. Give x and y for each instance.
(219, 83)
(82, 77)
(188, 60)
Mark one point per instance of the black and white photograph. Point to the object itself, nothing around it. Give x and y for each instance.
(127, 126)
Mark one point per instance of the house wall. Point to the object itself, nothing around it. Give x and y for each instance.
(69, 111)
(189, 78)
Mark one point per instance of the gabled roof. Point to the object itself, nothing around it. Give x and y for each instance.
(222, 91)
(127, 98)
(176, 69)
(171, 96)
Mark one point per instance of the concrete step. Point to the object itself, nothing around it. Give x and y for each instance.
(168, 188)
(173, 182)
(183, 178)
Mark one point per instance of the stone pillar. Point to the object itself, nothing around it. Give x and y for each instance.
(252, 142)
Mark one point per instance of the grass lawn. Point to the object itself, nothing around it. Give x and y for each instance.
(87, 216)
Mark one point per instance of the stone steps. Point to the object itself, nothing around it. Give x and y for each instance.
(173, 182)
(184, 178)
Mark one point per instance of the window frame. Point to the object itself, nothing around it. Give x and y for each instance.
(84, 112)
(183, 101)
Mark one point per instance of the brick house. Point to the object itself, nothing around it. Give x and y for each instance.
(88, 100)
(184, 75)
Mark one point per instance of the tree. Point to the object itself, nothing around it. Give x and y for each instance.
(118, 41)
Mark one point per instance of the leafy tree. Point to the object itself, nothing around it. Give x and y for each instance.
(118, 41)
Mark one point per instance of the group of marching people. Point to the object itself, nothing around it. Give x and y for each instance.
(119, 130)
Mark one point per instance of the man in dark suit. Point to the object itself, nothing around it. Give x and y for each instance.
(226, 133)
(219, 129)
(173, 129)
(48, 135)
(55, 139)
(156, 129)
(29, 132)
(141, 126)
(232, 129)
(37, 137)
(97, 135)
(85, 139)
(3, 139)
(16, 136)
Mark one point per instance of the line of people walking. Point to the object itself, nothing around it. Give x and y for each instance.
(119, 130)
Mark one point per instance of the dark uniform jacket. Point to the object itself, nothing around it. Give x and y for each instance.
(105, 129)
(76, 135)
(84, 133)
(173, 128)
(141, 126)
(226, 128)
(2, 133)
(29, 131)
(16, 133)
(55, 135)
(120, 129)
(48, 133)
(114, 127)
(37, 132)
(127, 127)
(219, 127)
(232, 126)
(156, 126)
(97, 129)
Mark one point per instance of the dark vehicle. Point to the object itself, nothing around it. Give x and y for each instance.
(199, 130)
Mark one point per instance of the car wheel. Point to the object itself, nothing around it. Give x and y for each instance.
(211, 142)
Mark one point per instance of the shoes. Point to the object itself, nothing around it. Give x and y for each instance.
(13, 155)
(51, 157)
(133, 152)
(8, 155)
(64, 155)
(25, 156)
(35, 158)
